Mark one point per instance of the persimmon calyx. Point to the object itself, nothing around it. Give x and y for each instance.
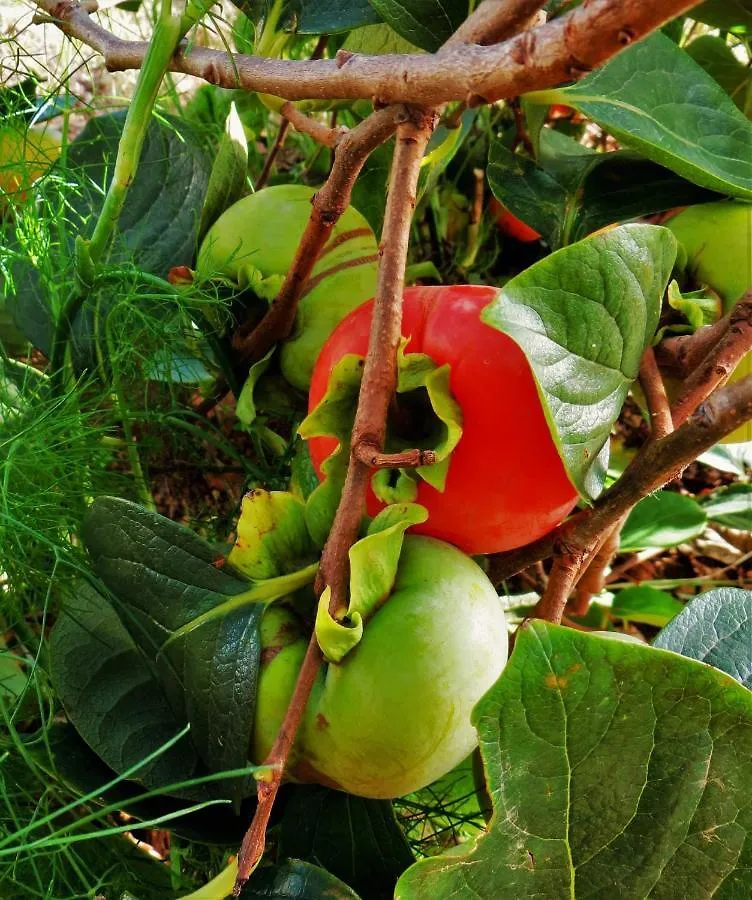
(374, 561)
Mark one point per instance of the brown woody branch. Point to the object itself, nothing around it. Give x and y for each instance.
(659, 409)
(495, 20)
(559, 51)
(254, 841)
(380, 369)
(720, 362)
(328, 205)
(678, 356)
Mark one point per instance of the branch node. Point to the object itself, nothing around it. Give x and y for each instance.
(370, 455)
(343, 57)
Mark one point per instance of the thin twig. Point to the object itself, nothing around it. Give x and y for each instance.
(681, 355)
(252, 848)
(371, 456)
(659, 408)
(593, 578)
(380, 369)
(321, 133)
(271, 156)
(558, 51)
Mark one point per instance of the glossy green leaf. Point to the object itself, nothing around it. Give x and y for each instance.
(334, 16)
(228, 174)
(664, 519)
(646, 605)
(111, 695)
(715, 628)
(614, 770)
(583, 316)
(355, 839)
(718, 59)
(425, 23)
(730, 506)
(295, 880)
(655, 99)
(571, 192)
(376, 40)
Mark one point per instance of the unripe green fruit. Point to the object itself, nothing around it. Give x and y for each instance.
(394, 715)
(717, 241)
(253, 244)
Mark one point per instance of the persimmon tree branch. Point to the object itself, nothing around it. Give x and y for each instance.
(321, 133)
(720, 362)
(252, 343)
(495, 20)
(380, 369)
(558, 51)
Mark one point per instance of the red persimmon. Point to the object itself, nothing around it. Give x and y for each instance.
(506, 484)
(510, 225)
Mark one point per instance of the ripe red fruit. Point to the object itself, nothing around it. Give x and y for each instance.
(510, 225)
(506, 484)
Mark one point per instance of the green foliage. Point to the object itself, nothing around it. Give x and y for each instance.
(691, 126)
(295, 880)
(715, 628)
(610, 765)
(426, 23)
(571, 191)
(355, 839)
(664, 519)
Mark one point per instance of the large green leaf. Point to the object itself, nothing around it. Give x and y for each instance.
(664, 519)
(295, 880)
(654, 98)
(356, 839)
(583, 317)
(111, 695)
(333, 16)
(730, 506)
(715, 628)
(718, 59)
(425, 23)
(573, 192)
(195, 621)
(615, 770)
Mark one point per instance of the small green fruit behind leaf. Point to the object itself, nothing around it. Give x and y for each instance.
(253, 243)
(717, 241)
(394, 715)
(716, 250)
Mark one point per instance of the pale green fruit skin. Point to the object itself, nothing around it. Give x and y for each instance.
(262, 232)
(283, 649)
(717, 238)
(395, 714)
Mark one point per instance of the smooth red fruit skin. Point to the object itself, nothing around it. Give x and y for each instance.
(506, 484)
(510, 225)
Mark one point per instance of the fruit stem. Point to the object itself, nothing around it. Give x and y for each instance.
(370, 455)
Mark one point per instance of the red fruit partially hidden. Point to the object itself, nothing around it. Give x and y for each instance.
(506, 484)
(510, 225)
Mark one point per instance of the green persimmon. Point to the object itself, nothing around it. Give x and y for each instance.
(395, 714)
(253, 244)
(715, 249)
